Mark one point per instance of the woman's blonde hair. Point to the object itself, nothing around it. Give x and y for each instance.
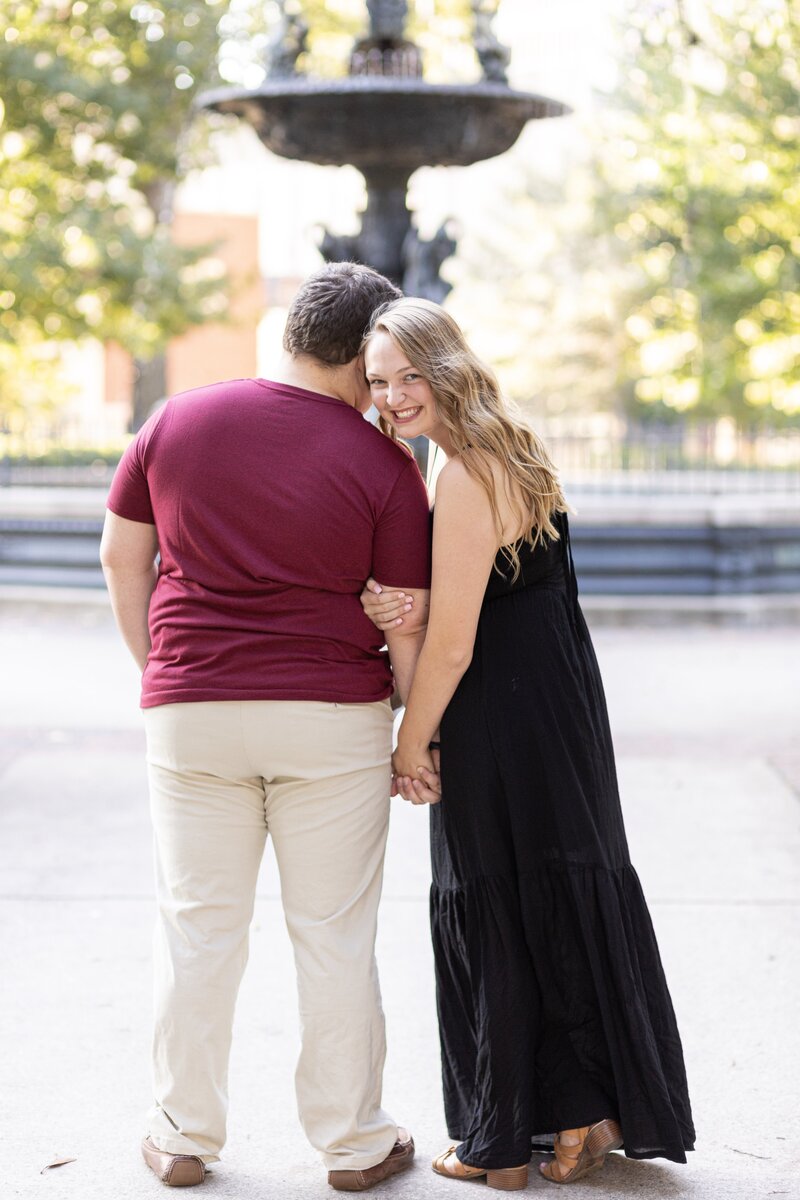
(483, 427)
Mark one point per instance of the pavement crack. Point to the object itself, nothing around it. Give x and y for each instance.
(749, 1154)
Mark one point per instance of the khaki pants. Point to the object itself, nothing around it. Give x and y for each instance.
(315, 776)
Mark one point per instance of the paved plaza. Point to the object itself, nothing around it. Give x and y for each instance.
(706, 728)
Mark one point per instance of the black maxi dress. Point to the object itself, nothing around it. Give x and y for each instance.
(553, 1007)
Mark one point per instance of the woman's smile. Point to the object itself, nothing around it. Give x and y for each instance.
(401, 416)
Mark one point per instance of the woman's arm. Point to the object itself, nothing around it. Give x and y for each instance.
(404, 644)
(464, 549)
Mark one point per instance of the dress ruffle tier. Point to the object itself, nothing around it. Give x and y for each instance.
(567, 955)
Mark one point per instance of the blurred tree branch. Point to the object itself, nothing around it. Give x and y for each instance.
(698, 189)
(96, 129)
(97, 103)
(659, 275)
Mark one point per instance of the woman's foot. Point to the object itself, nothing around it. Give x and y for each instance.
(506, 1179)
(578, 1151)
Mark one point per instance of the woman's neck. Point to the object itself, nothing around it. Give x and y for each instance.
(442, 439)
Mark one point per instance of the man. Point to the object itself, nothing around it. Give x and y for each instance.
(265, 697)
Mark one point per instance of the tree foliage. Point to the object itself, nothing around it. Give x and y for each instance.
(698, 186)
(96, 107)
(660, 276)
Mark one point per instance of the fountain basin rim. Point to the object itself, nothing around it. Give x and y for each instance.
(378, 85)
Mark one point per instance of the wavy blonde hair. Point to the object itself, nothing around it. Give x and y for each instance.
(484, 428)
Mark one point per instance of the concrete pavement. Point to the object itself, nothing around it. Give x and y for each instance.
(706, 726)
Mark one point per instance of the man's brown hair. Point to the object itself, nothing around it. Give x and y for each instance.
(330, 314)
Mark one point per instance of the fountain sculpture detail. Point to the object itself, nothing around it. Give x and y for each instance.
(384, 119)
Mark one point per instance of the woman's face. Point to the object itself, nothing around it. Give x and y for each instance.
(400, 394)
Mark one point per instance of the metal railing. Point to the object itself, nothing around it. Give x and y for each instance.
(653, 463)
(593, 452)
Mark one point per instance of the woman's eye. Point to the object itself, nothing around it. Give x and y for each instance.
(376, 383)
(411, 378)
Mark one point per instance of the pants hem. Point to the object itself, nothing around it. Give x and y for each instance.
(356, 1162)
(182, 1146)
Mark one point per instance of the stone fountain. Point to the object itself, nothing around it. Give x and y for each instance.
(385, 120)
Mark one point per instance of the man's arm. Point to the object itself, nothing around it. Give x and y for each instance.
(405, 641)
(128, 553)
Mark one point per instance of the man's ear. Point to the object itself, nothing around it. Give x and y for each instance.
(361, 384)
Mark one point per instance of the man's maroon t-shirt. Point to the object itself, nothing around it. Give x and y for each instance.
(272, 505)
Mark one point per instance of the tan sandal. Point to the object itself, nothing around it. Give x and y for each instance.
(506, 1179)
(588, 1154)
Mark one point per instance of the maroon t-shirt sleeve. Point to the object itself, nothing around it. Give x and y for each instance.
(129, 496)
(401, 552)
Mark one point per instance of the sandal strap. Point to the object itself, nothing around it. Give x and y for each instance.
(566, 1154)
(442, 1158)
(460, 1170)
(565, 1159)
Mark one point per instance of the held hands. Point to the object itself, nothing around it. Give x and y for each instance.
(420, 784)
(385, 608)
(415, 769)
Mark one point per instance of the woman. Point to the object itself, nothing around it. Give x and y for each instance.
(553, 1008)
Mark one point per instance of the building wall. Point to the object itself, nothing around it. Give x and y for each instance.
(221, 351)
(217, 350)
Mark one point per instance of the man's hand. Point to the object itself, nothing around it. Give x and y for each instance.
(426, 789)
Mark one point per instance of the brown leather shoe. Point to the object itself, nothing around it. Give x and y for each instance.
(399, 1159)
(175, 1170)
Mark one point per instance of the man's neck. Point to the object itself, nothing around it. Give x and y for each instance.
(303, 372)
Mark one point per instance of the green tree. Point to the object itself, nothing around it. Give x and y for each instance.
(763, 94)
(96, 131)
(697, 186)
(659, 276)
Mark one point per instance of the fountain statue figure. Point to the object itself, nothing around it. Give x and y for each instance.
(387, 19)
(493, 56)
(423, 261)
(286, 46)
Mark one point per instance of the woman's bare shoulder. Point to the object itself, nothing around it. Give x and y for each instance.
(461, 500)
(455, 478)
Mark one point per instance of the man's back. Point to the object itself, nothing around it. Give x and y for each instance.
(273, 505)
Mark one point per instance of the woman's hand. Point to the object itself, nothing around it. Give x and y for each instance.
(409, 757)
(415, 773)
(385, 608)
